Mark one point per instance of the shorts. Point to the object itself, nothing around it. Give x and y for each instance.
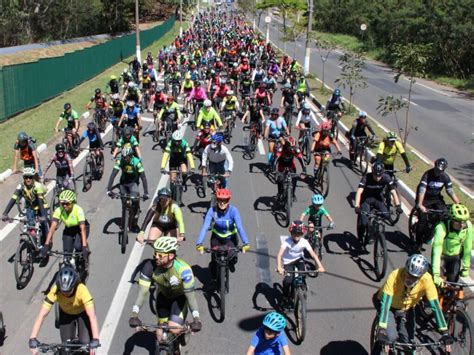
(176, 161)
(165, 228)
(94, 145)
(174, 310)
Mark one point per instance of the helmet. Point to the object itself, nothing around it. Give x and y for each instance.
(459, 212)
(128, 131)
(166, 245)
(159, 90)
(306, 107)
(91, 126)
(28, 172)
(326, 126)
(113, 77)
(115, 97)
(391, 136)
(22, 136)
(362, 114)
(67, 106)
(132, 85)
(317, 199)
(197, 83)
(274, 321)
(230, 92)
(441, 164)
(217, 137)
(170, 98)
(97, 91)
(223, 194)
(207, 103)
(130, 103)
(127, 151)
(145, 72)
(287, 86)
(297, 227)
(67, 279)
(164, 192)
(187, 76)
(177, 135)
(275, 111)
(378, 169)
(337, 92)
(416, 265)
(60, 147)
(235, 65)
(67, 196)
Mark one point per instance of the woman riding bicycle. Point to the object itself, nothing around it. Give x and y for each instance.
(275, 127)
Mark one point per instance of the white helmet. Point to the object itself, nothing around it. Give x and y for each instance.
(115, 96)
(130, 103)
(416, 265)
(132, 84)
(177, 135)
(207, 103)
(230, 92)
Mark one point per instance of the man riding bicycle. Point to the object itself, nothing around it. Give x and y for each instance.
(179, 154)
(230, 105)
(321, 145)
(254, 115)
(358, 129)
(170, 114)
(209, 114)
(274, 129)
(218, 157)
(387, 152)
(131, 117)
(304, 119)
(95, 145)
(100, 105)
(72, 119)
(64, 167)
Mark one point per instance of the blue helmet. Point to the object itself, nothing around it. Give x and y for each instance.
(274, 321)
(217, 137)
(317, 199)
(337, 92)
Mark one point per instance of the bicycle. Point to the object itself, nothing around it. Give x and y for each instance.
(252, 139)
(334, 117)
(71, 149)
(170, 344)
(315, 239)
(287, 195)
(58, 188)
(388, 196)
(100, 118)
(116, 134)
(229, 124)
(2, 329)
(361, 153)
(222, 255)
(322, 179)
(178, 186)
(288, 114)
(432, 218)
(128, 215)
(214, 182)
(298, 296)
(305, 145)
(93, 168)
(68, 347)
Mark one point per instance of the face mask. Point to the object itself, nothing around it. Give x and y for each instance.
(214, 145)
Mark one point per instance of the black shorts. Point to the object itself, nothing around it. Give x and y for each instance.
(176, 161)
(94, 145)
(171, 309)
(165, 228)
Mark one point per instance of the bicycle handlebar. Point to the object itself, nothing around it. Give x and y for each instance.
(220, 249)
(117, 196)
(151, 327)
(457, 284)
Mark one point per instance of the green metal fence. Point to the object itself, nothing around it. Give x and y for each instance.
(26, 85)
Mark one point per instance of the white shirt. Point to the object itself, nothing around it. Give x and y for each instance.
(306, 118)
(218, 156)
(294, 251)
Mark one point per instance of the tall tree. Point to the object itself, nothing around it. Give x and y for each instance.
(351, 73)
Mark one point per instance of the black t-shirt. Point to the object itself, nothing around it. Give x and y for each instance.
(289, 96)
(434, 184)
(374, 188)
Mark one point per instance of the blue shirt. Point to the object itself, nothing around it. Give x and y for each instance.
(132, 115)
(225, 224)
(92, 136)
(272, 346)
(277, 127)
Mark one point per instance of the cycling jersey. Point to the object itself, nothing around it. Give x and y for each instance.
(130, 171)
(434, 184)
(133, 143)
(70, 118)
(146, 83)
(187, 85)
(26, 152)
(306, 119)
(373, 188)
(276, 127)
(323, 142)
(169, 218)
(209, 115)
(74, 305)
(100, 102)
(64, 165)
(230, 103)
(172, 111)
(117, 108)
(389, 153)
(225, 224)
(131, 116)
(289, 96)
(286, 158)
(301, 87)
(92, 136)
(315, 214)
(175, 281)
(273, 346)
(177, 152)
(72, 219)
(358, 129)
(114, 86)
(30, 194)
(198, 94)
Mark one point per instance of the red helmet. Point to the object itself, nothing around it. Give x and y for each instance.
(223, 194)
(326, 126)
(297, 227)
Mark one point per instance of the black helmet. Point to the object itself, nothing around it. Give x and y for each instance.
(378, 169)
(60, 147)
(275, 111)
(97, 91)
(67, 106)
(91, 126)
(22, 137)
(164, 192)
(128, 131)
(67, 279)
(441, 164)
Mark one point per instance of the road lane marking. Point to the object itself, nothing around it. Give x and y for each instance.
(405, 99)
(263, 261)
(261, 148)
(430, 88)
(421, 156)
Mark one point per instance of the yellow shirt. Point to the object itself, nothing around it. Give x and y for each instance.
(389, 153)
(76, 304)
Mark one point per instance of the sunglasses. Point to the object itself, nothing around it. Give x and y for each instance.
(28, 177)
(223, 201)
(160, 255)
(65, 203)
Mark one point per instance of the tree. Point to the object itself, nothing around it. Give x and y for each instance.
(351, 73)
(285, 6)
(391, 105)
(324, 49)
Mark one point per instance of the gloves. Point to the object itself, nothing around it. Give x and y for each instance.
(196, 325)
(382, 336)
(44, 250)
(245, 248)
(33, 343)
(331, 225)
(199, 248)
(437, 280)
(94, 344)
(399, 209)
(447, 339)
(109, 193)
(4, 218)
(134, 321)
(357, 210)
(85, 252)
(145, 197)
(408, 169)
(464, 273)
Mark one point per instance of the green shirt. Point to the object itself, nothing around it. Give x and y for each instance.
(315, 215)
(70, 118)
(72, 219)
(132, 143)
(175, 281)
(131, 171)
(210, 115)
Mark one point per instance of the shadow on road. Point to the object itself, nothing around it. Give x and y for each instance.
(200, 207)
(144, 340)
(271, 295)
(343, 347)
(400, 240)
(251, 324)
(116, 221)
(209, 292)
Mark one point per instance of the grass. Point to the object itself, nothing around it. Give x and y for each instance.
(39, 122)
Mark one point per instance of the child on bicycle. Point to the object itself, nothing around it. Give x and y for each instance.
(316, 211)
(291, 255)
(270, 338)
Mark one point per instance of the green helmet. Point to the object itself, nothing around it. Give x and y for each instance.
(127, 151)
(28, 172)
(391, 136)
(166, 245)
(67, 196)
(459, 212)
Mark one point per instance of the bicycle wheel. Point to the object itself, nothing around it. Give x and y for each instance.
(56, 315)
(222, 289)
(2, 329)
(289, 202)
(124, 232)
(23, 264)
(252, 145)
(54, 201)
(305, 151)
(460, 328)
(380, 255)
(324, 181)
(87, 176)
(412, 221)
(373, 335)
(300, 315)
(178, 194)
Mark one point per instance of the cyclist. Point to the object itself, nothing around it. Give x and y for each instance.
(203, 139)
(76, 226)
(209, 114)
(157, 101)
(254, 114)
(186, 88)
(270, 337)
(25, 149)
(95, 145)
(167, 218)
(116, 107)
(132, 170)
(358, 129)
(225, 223)
(135, 66)
(196, 96)
(219, 158)
(175, 289)
(335, 102)
(304, 119)
(170, 113)
(387, 152)
(72, 128)
(288, 97)
(220, 93)
(262, 95)
(397, 298)
(291, 256)
(302, 89)
(131, 117)
(315, 213)
(274, 129)
(64, 167)
(285, 156)
(100, 105)
(35, 203)
(230, 105)
(113, 85)
(77, 316)
(177, 151)
(452, 245)
(127, 140)
(257, 76)
(369, 196)
(322, 144)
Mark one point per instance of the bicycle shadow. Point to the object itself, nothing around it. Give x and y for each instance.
(141, 340)
(345, 241)
(114, 220)
(263, 167)
(270, 294)
(343, 347)
(203, 207)
(400, 240)
(342, 162)
(209, 292)
(251, 324)
(242, 149)
(351, 198)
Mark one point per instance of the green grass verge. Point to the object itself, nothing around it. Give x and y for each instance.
(419, 166)
(39, 122)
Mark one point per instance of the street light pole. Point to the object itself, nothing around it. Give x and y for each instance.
(180, 17)
(307, 50)
(137, 25)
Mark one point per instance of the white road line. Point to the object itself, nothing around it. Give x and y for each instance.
(261, 148)
(339, 66)
(405, 99)
(430, 88)
(382, 128)
(467, 192)
(421, 156)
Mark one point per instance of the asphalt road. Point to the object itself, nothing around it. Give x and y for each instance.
(444, 118)
(339, 302)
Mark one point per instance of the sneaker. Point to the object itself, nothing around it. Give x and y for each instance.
(232, 267)
(135, 228)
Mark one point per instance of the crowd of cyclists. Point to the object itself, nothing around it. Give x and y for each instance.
(217, 72)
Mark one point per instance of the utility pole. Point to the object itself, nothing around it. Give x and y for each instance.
(137, 25)
(180, 17)
(307, 51)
